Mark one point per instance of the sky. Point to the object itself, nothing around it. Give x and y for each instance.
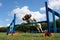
(21, 7)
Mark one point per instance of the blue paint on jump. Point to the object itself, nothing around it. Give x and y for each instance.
(32, 23)
(47, 15)
(11, 28)
(36, 22)
(54, 22)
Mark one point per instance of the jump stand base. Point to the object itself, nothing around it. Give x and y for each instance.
(13, 34)
(48, 34)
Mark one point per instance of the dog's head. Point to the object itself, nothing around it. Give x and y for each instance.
(26, 17)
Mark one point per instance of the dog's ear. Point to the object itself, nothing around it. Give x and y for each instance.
(23, 18)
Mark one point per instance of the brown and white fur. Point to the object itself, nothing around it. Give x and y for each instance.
(28, 19)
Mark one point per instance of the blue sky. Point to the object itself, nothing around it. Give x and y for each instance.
(20, 7)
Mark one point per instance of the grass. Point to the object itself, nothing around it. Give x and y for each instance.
(29, 36)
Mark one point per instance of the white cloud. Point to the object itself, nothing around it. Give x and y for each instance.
(8, 24)
(1, 26)
(54, 4)
(0, 4)
(38, 16)
(56, 17)
(42, 9)
(20, 12)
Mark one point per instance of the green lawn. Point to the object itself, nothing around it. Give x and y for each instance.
(29, 36)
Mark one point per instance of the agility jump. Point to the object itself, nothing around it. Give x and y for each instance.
(11, 29)
(48, 33)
